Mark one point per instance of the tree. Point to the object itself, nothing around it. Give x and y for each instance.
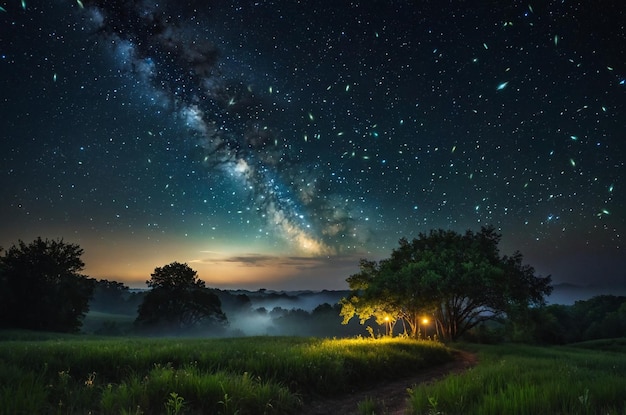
(178, 300)
(41, 287)
(460, 281)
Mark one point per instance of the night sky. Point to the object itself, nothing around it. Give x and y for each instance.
(274, 143)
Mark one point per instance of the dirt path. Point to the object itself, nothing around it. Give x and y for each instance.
(391, 395)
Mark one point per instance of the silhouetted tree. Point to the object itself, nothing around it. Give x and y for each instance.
(460, 281)
(179, 300)
(41, 287)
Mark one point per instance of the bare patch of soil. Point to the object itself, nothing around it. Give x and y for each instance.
(392, 396)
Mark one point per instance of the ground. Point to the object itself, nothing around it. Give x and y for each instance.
(391, 395)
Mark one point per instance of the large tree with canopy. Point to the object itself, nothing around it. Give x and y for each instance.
(458, 280)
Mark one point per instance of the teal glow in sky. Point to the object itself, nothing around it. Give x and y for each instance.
(273, 144)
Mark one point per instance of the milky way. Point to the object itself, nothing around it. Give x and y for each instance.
(272, 131)
(225, 117)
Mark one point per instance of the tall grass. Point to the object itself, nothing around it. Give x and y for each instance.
(530, 380)
(273, 375)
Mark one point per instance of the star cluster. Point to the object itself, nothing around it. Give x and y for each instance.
(302, 136)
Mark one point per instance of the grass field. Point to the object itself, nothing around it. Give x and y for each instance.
(63, 374)
(512, 379)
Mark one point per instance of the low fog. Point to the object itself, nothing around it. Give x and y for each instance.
(303, 300)
(250, 313)
(264, 312)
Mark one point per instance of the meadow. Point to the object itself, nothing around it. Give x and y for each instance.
(78, 374)
(586, 378)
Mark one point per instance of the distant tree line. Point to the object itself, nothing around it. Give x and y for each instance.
(120, 311)
(600, 317)
(114, 297)
(440, 285)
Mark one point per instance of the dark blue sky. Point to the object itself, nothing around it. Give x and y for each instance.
(273, 144)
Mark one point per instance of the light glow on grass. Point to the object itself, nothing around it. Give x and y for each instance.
(271, 375)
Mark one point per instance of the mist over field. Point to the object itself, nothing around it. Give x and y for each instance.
(304, 300)
(284, 313)
(249, 313)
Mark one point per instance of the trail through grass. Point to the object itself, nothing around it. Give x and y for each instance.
(260, 375)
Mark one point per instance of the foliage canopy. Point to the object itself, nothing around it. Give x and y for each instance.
(41, 287)
(178, 300)
(459, 280)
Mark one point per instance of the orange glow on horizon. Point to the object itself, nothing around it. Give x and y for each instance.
(132, 261)
(130, 258)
